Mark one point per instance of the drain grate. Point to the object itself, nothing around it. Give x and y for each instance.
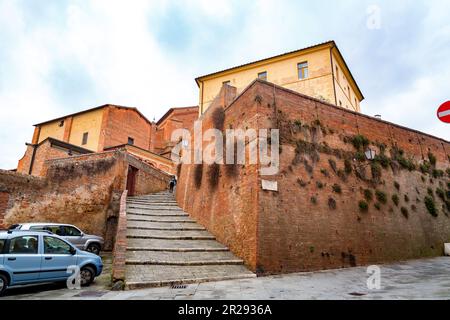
(179, 286)
(357, 294)
(91, 294)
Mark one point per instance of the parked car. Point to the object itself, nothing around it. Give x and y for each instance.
(28, 257)
(69, 232)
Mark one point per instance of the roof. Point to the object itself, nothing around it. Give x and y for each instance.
(64, 145)
(171, 110)
(94, 109)
(330, 43)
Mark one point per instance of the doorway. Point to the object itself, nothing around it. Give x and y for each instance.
(131, 180)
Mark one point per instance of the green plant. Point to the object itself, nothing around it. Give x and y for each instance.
(406, 198)
(301, 183)
(319, 184)
(360, 156)
(363, 206)
(337, 188)
(381, 196)
(313, 200)
(368, 195)
(395, 199)
(298, 123)
(383, 160)
(397, 185)
(425, 167)
(333, 165)
(430, 192)
(432, 159)
(404, 212)
(324, 172)
(311, 249)
(440, 193)
(360, 142)
(348, 166)
(438, 173)
(448, 172)
(331, 203)
(431, 206)
(376, 171)
(377, 206)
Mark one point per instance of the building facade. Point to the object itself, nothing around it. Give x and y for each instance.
(319, 71)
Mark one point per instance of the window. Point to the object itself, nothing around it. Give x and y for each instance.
(55, 246)
(262, 75)
(53, 229)
(337, 74)
(70, 231)
(302, 70)
(24, 245)
(228, 82)
(130, 141)
(2, 245)
(85, 138)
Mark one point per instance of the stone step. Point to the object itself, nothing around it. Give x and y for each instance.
(142, 276)
(159, 214)
(182, 219)
(168, 204)
(181, 258)
(149, 208)
(174, 245)
(145, 225)
(159, 234)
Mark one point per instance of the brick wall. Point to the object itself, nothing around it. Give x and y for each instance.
(82, 190)
(4, 198)
(123, 123)
(314, 221)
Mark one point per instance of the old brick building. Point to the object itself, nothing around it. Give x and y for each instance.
(105, 128)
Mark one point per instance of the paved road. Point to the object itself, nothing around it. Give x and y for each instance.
(418, 279)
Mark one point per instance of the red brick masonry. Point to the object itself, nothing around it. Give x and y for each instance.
(120, 247)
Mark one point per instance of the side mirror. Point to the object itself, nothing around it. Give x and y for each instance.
(73, 251)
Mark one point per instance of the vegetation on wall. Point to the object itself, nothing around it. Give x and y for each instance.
(336, 188)
(381, 196)
(363, 206)
(368, 195)
(404, 212)
(395, 199)
(431, 206)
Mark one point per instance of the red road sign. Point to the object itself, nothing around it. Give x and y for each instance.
(443, 112)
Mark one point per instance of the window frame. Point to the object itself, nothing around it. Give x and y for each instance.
(262, 73)
(58, 239)
(302, 67)
(132, 141)
(7, 249)
(85, 138)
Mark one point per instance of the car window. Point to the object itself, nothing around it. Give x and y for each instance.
(54, 245)
(53, 229)
(24, 245)
(2, 245)
(71, 231)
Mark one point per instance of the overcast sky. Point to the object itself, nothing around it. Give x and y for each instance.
(59, 57)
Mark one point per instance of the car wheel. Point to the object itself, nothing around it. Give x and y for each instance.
(94, 248)
(87, 275)
(3, 283)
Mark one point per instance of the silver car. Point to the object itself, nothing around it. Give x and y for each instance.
(69, 232)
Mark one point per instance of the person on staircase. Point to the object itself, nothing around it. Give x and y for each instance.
(172, 184)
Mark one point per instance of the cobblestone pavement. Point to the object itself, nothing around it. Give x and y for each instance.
(418, 279)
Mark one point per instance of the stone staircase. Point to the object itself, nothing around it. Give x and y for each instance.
(167, 247)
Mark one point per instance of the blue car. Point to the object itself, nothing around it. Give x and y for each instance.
(28, 257)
